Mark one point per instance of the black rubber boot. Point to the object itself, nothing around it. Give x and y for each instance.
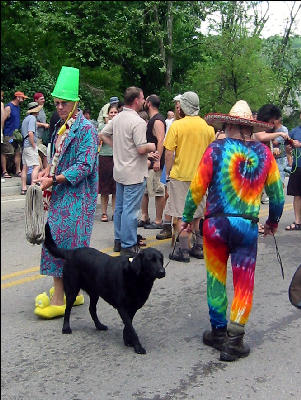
(234, 348)
(117, 245)
(196, 251)
(197, 248)
(180, 254)
(165, 233)
(215, 338)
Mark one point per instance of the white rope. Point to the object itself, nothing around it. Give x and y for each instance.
(34, 215)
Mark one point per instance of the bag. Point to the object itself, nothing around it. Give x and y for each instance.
(18, 137)
(46, 137)
(294, 290)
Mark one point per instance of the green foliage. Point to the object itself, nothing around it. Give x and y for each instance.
(155, 45)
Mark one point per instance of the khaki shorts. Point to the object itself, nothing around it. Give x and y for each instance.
(177, 191)
(42, 148)
(30, 156)
(153, 185)
(9, 148)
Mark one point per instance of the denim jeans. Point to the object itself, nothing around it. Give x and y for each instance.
(128, 201)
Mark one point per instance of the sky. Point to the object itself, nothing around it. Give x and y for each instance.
(278, 13)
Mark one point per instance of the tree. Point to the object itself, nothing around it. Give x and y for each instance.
(233, 68)
(285, 59)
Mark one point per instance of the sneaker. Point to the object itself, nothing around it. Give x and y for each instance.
(117, 245)
(141, 223)
(129, 251)
(180, 255)
(196, 251)
(153, 225)
(165, 233)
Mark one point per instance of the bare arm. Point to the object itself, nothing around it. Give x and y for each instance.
(31, 139)
(159, 133)
(168, 161)
(106, 134)
(265, 137)
(6, 114)
(46, 181)
(106, 139)
(42, 124)
(146, 148)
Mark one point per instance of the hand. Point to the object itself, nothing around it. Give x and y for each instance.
(156, 166)
(186, 227)
(296, 143)
(269, 230)
(45, 182)
(156, 155)
(276, 151)
(46, 126)
(284, 135)
(44, 172)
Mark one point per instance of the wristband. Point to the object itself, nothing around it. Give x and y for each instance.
(54, 181)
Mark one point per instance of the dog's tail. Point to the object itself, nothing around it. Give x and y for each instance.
(51, 246)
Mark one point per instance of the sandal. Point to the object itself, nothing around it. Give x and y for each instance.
(104, 217)
(140, 241)
(293, 227)
(23, 192)
(6, 175)
(19, 174)
(260, 229)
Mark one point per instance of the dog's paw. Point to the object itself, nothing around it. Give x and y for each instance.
(101, 327)
(67, 330)
(139, 349)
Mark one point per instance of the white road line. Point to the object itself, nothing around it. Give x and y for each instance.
(11, 200)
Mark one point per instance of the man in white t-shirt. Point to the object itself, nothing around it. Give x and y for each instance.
(127, 132)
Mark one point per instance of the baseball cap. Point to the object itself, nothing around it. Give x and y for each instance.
(20, 94)
(114, 100)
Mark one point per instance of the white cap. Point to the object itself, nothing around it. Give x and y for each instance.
(177, 98)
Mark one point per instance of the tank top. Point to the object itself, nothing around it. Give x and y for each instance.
(152, 139)
(13, 122)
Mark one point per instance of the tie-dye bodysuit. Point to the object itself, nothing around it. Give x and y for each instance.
(235, 173)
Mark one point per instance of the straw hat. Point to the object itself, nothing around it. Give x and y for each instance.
(33, 107)
(240, 114)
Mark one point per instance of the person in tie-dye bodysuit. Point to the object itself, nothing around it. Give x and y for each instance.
(234, 171)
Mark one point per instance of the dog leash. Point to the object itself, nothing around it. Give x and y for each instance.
(278, 256)
(174, 247)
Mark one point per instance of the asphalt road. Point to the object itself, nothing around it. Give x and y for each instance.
(38, 362)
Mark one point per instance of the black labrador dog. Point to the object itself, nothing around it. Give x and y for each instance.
(124, 284)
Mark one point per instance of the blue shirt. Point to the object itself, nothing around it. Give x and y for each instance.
(296, 135)
(280, 141)
(29, 124)
(13, 122)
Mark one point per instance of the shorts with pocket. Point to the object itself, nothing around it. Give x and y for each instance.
(177, 191)
(154, 187)
(9, 148)
(30, 156)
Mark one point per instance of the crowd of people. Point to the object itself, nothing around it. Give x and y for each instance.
(207, 176)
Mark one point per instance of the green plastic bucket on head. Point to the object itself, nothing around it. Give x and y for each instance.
(67, 84)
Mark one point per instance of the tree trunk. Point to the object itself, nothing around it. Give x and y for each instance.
(169, 63)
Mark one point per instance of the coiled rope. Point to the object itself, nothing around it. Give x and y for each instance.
(34, 215)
